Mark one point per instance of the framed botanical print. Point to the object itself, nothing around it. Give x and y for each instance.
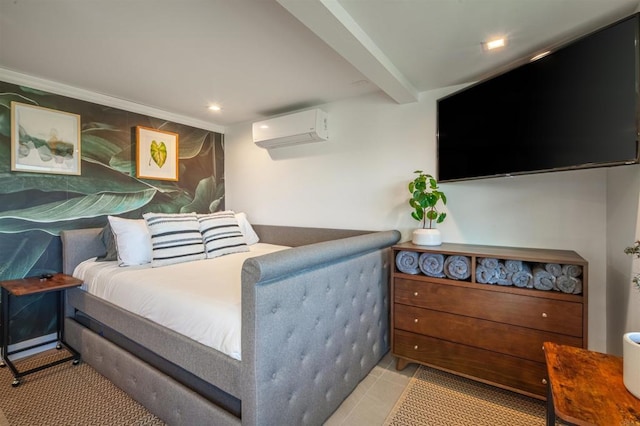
(157, 154)
(44, 140)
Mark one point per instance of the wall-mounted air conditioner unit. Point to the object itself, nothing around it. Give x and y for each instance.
(297, 128)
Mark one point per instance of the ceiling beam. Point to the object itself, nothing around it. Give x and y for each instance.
(331, 22)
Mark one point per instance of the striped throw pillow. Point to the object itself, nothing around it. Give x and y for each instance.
(175, 238)
(221, 234)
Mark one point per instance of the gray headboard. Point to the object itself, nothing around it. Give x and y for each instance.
(81, 244)
(293, 236)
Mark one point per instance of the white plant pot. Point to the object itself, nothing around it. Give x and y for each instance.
(631, 362)
(426, 237)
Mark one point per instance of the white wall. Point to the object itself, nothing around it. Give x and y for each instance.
(359, 180)
(623, 228)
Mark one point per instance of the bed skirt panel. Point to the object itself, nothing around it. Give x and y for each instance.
(161, 395)
(182, 376)
(207, 363)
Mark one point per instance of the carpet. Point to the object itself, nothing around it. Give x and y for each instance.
(437, 398)
(66, 394)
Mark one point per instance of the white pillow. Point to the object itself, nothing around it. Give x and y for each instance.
(175, 238)
(133, 242)
(221, 234)
(250, 235)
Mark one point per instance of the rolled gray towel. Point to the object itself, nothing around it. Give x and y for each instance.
(485, 275)
(513, 265)
(578, 289)
(457, 267)
(553, 268)
(569, 285)
(543, 279)
(489, 262)
(407, 262)
(432, 264)
(504, 275)
(572, 270)
(523, 278)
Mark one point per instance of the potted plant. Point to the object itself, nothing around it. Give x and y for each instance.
(634, 250)
(425, 196)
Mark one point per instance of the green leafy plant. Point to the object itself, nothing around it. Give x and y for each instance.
(425, 195)
(634, 250)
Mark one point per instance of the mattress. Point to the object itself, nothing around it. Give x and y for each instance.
(199, 299)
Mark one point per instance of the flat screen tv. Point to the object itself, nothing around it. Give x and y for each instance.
(574, 108)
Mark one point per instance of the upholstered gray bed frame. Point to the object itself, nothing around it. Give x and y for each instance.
(314, 323)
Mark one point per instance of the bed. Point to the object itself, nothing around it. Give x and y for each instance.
(314, 322)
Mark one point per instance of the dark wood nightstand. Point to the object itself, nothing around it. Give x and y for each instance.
(34, 285)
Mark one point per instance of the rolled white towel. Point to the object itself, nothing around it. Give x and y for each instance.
(572, 270)
(407, 262)
(432, 264)
(543, 279)
(553, 268)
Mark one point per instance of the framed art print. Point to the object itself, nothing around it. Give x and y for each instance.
(44, 140)
(157, 154)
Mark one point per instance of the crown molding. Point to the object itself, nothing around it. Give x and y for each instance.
(86, 95)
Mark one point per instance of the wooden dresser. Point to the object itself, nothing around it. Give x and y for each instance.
(488, 332)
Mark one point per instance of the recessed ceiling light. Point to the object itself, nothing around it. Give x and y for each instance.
(494, 43)
(539, 56)
(215, 108)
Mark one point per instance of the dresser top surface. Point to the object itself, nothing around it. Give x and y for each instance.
(519, 253)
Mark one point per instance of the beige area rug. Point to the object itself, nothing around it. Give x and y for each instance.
(436, 398)
(66, 395)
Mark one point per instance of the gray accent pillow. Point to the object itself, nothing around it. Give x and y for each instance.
(106, 236)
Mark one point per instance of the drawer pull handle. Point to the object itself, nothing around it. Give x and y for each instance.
(415, 347)
(544, 381)
(415, 293)
(544, 315)
(415, 320)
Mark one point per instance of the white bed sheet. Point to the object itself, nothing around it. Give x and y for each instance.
(199, 299)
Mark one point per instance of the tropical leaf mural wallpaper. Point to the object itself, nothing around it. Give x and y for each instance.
(35, 207)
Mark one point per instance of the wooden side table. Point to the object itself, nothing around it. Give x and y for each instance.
(586, 388)
(34, 285)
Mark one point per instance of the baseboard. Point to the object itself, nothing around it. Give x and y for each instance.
(33, 342)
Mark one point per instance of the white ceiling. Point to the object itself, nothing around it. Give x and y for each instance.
(258, 58)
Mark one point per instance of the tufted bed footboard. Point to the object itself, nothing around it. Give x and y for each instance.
(314, 323)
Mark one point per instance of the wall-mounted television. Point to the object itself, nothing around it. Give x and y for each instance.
(574, 108)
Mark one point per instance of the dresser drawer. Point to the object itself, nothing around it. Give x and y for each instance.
(557, 316)
(502, 370)
(508, 339)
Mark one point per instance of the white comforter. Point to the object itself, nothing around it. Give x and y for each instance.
(200, 299)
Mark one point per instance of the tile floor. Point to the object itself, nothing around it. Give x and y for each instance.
(372, 400)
